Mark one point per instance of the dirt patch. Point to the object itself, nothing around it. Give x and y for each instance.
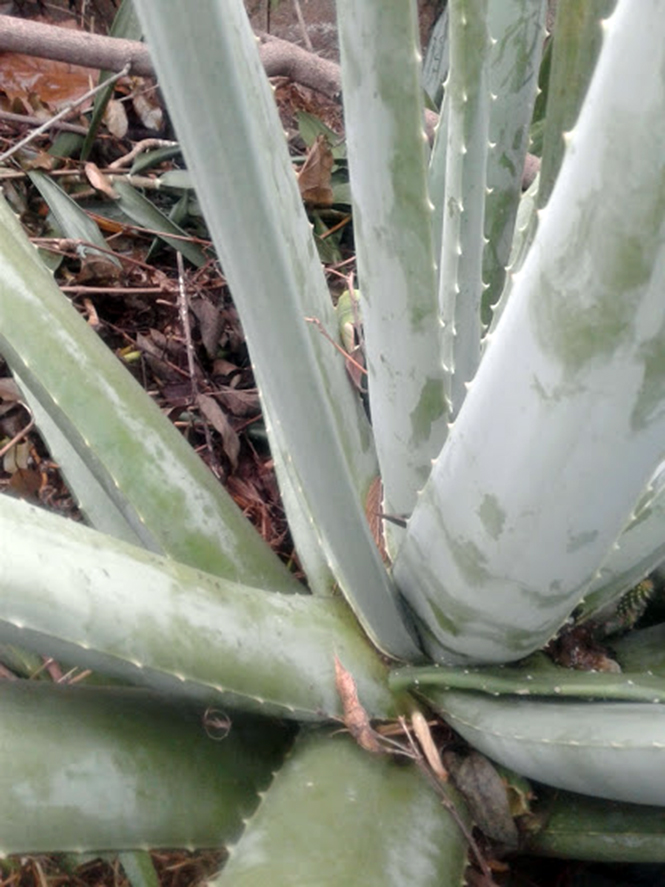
(320, 21)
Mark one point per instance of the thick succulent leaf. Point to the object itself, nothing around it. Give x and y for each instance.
(435, 65)
(163, 490)
(245, 183)
(638, 551)
(82, 597)
(139, 868)
(517, 29)
(94, 769)
(577, 43)
(570, 391)
(436, 176)
(577, 827)
(386, 146)
(535, 679)
(101, 510)
(468, 101)
(604, 749)
(642, 650)
(336, 815)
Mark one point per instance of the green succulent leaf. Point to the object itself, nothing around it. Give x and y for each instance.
(245, 182)
(533, 680)
(99, 768)
(337, 815)
(574, 370)
(578, 38)
(82, 597)
(163, 491)
(604, 749)
(468, 101)
(517, 29)
(383, 111)
(577, 827)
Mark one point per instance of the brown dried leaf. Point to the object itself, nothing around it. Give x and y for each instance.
(147, 107)
(115, 118)
(98, 180)
(9, 390)
(240, 402)
(485, 793)
(314, 175)
(211, 323)
(373, 502)
(421, 728)
(356, 719)
(99, 269)
(215, 415)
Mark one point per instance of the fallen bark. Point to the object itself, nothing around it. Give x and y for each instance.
(279, 57)
(76, 47)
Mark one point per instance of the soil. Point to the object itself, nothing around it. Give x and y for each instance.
(320, 20)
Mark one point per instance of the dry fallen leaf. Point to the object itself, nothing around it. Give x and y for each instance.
(356, 719)
(314, 175)
(212, 411)
(98, 180)
(486, 795)
(421, 728)
(373, 502)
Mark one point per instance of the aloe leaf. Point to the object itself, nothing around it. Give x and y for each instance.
(240, 165)
(577, 44)
(534, 681)
(642, 650)
(336, 815)
(460, 277)
(386, 147)
(577, 827)
(75, 594)
(517, 29)
(99, 507)
(164, 782)
(436, 177)
(574, 371)
(146, 214)
(437, 57)
(139, 868)
(637, 552)
(604, 749)
(163, 490)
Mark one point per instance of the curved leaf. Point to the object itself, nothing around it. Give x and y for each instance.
(604, 749)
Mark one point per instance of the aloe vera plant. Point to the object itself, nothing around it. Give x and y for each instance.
(516, 378)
